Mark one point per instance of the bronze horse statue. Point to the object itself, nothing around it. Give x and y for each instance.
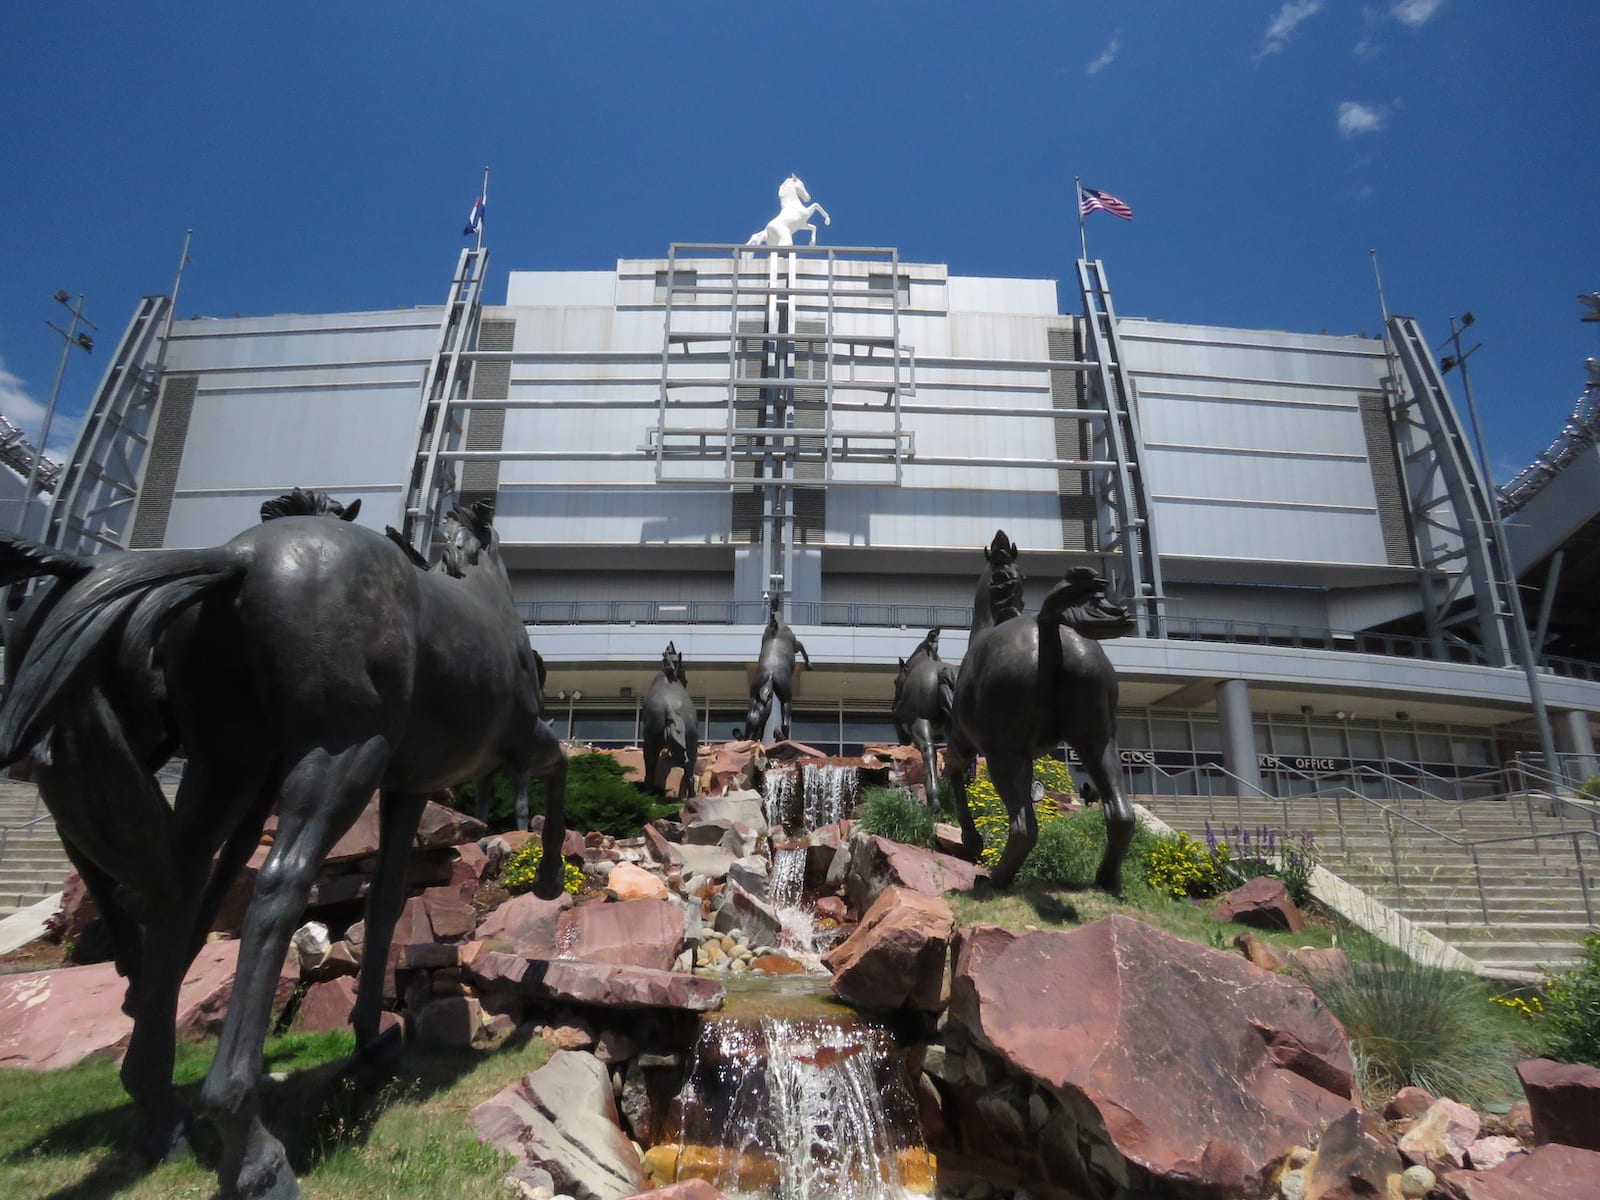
(772, 691)
(301, 666)
(924, 693)
(1026, 686)
(670, 724)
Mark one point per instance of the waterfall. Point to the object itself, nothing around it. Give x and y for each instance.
(828, 794)
(777, 797)
(785, 892)
(812, 1108)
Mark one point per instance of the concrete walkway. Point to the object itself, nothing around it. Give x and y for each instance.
(22, 926)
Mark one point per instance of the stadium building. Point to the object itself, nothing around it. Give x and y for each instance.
(1296, 521)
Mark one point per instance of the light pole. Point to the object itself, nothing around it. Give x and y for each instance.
(70, 338)
(1504, 567)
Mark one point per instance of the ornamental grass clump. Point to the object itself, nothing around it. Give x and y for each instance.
(894, 814)
(1069, 851)
(1419, 1026)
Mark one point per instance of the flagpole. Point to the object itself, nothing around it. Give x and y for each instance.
(1083, 237)
(485, 196)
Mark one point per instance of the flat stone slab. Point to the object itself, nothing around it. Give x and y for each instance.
(608, 984)
(52, 1019)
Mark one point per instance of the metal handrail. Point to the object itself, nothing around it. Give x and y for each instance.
(1469, 845)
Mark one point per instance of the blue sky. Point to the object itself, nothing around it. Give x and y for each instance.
(326, 156)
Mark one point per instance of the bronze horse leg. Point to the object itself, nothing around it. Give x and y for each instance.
(1011, 771)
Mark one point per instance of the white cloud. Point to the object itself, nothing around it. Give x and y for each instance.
(27, 414)
(1414, 13)
(1356, 118)
(1108, 55)
(1282, 26)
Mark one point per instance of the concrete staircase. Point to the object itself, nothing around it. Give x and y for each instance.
(32, 862)
(1532, 891)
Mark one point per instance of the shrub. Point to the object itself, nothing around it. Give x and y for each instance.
(1069, 851)
(522, 868)
(599, 797)
(893, 813)
(1419, 1026)
(989, 811)
(1238, 857)
(1181, 866)
(1572, 1008)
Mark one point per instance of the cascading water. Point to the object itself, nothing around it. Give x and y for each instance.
(786, 894)
(801, 1108)
(829, 793)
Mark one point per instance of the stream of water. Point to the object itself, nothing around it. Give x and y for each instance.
(801, 1107)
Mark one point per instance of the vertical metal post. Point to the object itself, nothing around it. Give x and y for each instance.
(68, 340)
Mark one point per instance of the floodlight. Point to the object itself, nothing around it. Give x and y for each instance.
(1467, 319)
(61, 296)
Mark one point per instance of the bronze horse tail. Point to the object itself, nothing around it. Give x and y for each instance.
(120, 609)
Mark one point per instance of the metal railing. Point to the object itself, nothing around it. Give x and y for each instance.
(864, 614)
(1396, 819)
(35, 816)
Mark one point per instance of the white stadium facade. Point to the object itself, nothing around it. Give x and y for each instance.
(1296, 521)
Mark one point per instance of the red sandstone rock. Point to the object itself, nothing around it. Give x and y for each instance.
(777, 964)
(898, 957)
(1565, 1102)
(1263, 903)
(443, 826)
(451, 918)
(734, 766)
(877, 863)
(1257, 952)
(629, 882)
(1186, 1055)
(1487, 1153)
(1441, 1134)
(51, 1019)
(684, 1189)
(1313, 964)
(1353, 1159)
(831, 908)
(325, 1006)
(594, 983)
(528, 923)
(1408, 1104)
(1551, 1172)
(640, 933)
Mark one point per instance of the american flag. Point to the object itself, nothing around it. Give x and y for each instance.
(1089, 200)
(474, 218)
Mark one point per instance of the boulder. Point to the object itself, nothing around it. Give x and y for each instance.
(563, 1118)
(453, 1021)
(528, 923)
(640, 933)
(51, 1019)
(451, 918)
(1257, 951)
(1263, 903)
(614, 986)
(744, 807)
(684, 1189)
(1408, 1104)
(626, 881)
(1353, 1159)
(898, 957)
(877, 863)
(1441, 1135)
(443, 826)
(1181, 1062)
(325, 1006)
(744, 910)
(1550, 1172)
(735, 766)
(1487, 1153)
(1315, 964)
(1565, 1102)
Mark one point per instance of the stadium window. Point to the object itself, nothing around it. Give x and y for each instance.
(880, 281)
(682, 281)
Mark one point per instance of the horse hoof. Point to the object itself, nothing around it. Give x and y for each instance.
(166, 1144)
(1109, 882)
(265, 1173)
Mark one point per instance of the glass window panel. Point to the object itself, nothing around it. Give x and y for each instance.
(603, 729)
(1327, 741)
(1400, 744)
(1169, 733)
(1133, 730)
(1433, 747)
(1365, 743)
(1290, 740)
(1471, 752)
(1207, 734)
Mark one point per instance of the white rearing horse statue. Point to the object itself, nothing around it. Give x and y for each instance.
(795, 211)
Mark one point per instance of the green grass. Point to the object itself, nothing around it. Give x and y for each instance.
(65, 1133)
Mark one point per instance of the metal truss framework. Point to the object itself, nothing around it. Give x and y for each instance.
(444, 384)
(1451, 514)
(1121, 481)
(93, 507)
